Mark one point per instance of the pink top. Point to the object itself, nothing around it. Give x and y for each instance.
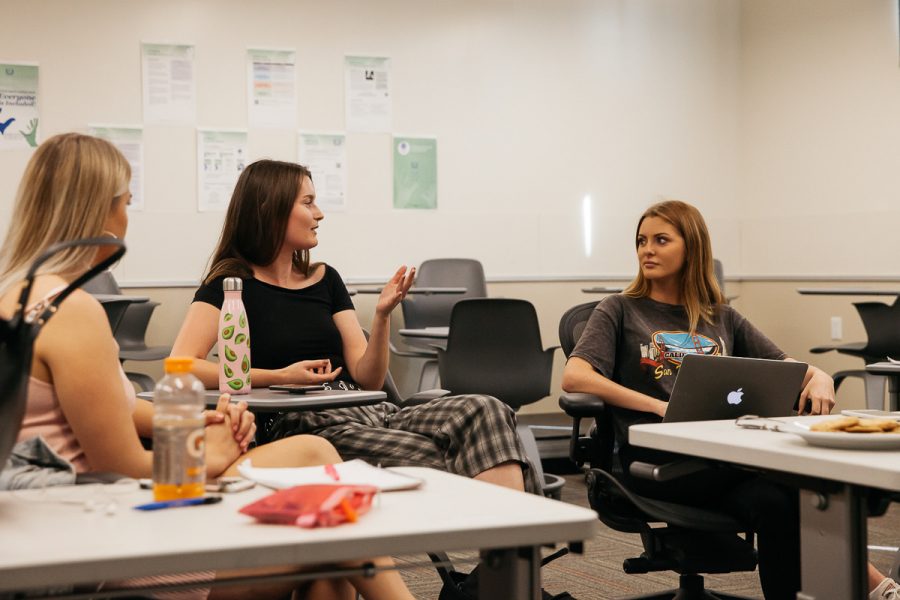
(44, 417)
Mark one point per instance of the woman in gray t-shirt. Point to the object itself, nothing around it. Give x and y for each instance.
(629, 355)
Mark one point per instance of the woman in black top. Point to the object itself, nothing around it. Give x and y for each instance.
(305, 331)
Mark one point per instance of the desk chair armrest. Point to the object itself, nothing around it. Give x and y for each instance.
(668, 471)
(425, 396)
(578, 405)
(584, 449)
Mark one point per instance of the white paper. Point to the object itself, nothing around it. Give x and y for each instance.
(221, 156)
(130, 142)
(169, 89)
(354, 472)
(325, 154)
(19, 115)
(271, 88)
(367, 93)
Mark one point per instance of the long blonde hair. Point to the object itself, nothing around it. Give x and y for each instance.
(700, 292)
(66, 193)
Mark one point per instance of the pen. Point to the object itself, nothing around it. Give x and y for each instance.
(179, 502)
(332, 472)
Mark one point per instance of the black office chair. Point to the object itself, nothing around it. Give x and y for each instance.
(693, 540)
(433, 310)
(494, 348)
(882, 324)
(129, 325)
(17, 336)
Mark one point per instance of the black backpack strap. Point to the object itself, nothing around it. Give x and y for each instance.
(78, 282)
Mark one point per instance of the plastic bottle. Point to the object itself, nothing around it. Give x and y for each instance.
(234, 340)
(179, 433)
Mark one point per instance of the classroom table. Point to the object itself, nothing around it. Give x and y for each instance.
(836, 486)
(425, 291)
(846, 292)
(432, 333)
(602, 290)
(267, 403)
(50, 543)
(266, 400)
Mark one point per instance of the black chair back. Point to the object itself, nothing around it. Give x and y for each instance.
(17, 336)
(494, 348)
(572, 324)
(433, 310)
(882, 324)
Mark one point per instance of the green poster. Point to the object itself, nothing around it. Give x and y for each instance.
(18, 106)
(415, 172)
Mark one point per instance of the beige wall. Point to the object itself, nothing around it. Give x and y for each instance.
(820, 87)
(796, 323)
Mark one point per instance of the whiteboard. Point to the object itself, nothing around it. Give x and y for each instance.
(535, 105)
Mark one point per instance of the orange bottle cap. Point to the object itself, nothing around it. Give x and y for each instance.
(179, 364)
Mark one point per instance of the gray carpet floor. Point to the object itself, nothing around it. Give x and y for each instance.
(597, 574)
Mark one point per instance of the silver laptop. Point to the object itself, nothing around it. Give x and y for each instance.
(726, 387)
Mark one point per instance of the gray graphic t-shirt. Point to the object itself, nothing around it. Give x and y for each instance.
(639, 343)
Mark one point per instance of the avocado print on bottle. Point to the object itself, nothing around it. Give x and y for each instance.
(234, 340)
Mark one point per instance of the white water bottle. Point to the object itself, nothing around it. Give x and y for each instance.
(234, 340)
(179, 433)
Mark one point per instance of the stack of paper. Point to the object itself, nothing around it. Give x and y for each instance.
(354, 472)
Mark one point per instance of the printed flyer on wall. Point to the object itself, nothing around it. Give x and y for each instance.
(221, 156)
(367, 94)
(19, 115)
(271, 88)
(168, 80)
(415, 172)
(326, 156)
(130, 142)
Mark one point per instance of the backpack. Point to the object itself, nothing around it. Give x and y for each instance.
(17, 335)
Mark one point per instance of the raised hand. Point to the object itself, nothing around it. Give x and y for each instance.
(395, 291)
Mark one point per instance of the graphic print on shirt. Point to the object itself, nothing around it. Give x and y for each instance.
(666, 350)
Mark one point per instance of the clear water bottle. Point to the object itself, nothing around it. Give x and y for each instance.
(179, 433)
(234, 340)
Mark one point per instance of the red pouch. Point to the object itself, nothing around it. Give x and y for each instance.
(313, 505)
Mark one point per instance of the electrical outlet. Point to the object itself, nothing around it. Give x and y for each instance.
(837, 328)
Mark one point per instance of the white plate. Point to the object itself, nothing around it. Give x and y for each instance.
(840, 439)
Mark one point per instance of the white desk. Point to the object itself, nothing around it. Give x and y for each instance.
(266, 400)
(426, 291)
(846, 292)
(59, 544)
(432, 333)
(832, 497)
(602, 290)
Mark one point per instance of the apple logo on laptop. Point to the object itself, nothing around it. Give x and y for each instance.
(735, 397)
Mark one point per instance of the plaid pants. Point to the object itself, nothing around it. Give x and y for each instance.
(465, 434)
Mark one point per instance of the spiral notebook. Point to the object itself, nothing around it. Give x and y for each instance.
(354, 472)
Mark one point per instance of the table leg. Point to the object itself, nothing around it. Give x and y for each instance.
(513, 573)
(893, 392)
(833, 544)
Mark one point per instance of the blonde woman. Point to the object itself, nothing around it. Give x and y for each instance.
(675, 300)
(79, 401)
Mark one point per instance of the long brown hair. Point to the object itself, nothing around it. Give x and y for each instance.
(700, 291)
(66, 193)
(256, 221)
